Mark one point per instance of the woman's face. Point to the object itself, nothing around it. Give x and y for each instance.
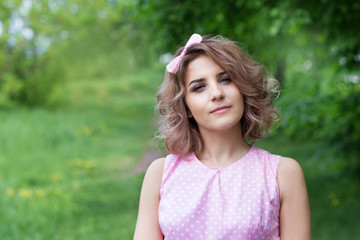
(213, 99)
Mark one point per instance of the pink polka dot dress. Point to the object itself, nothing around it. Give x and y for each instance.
(240, 201)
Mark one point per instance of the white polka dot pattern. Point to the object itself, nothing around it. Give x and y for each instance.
(240, 201)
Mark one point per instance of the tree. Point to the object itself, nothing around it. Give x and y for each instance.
(311, 46)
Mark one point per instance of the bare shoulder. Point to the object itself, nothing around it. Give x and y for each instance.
(156, 167)
(153, 177)
(158, 163)
(154, 172)
(289, 166)
(290, 176)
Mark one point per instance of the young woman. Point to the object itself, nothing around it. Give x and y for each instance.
(215, 102)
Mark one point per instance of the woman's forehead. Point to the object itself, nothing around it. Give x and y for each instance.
(202, 67)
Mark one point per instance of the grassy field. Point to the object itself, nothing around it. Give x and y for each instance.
(62, 171)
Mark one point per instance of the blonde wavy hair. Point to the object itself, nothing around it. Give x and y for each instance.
(181, 133)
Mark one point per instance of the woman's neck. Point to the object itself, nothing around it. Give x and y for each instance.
(222, 148)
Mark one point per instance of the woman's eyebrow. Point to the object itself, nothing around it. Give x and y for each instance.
(221, 74)
(196, 81)
(202, 79)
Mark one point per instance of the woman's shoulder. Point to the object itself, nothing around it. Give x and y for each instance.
(156, 168)
(162, 165)
(289, 167)
(153, 177)
(290, 176)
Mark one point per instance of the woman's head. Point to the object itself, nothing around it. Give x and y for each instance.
(180, 130)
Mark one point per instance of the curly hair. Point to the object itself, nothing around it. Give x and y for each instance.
(181, 133)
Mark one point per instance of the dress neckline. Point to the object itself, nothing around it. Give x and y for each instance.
(193, 156)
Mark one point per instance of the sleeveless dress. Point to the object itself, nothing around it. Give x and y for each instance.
(240, 201)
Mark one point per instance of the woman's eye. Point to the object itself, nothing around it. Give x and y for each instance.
(225, 80)
(198, 88)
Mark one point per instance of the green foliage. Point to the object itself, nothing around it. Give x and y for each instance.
(258, 24)
(320, 104)
(62, 40)
(334, 198)
(30, 69)
(311, 46)
(328, 120)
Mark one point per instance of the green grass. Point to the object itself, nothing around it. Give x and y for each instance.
(61, 170)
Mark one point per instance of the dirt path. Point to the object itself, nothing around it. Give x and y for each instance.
(147, 158)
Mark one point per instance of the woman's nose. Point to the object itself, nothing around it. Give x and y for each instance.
(216, 93)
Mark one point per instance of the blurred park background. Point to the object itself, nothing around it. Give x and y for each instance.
(78, 81)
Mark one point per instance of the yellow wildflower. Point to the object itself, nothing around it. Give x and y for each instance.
(25, 192)
(76, 185)
(335, 202)
(87, 131)
(57, 177)
(88, 164)
(10, 191)
(39, 192)
(58, 191)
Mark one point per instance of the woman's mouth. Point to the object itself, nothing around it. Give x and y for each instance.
(220, 110)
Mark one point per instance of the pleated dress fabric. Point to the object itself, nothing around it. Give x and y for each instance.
(240, 201)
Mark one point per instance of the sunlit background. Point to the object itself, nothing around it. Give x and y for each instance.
(78, 81)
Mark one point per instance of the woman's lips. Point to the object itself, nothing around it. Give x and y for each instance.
(220, 110)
